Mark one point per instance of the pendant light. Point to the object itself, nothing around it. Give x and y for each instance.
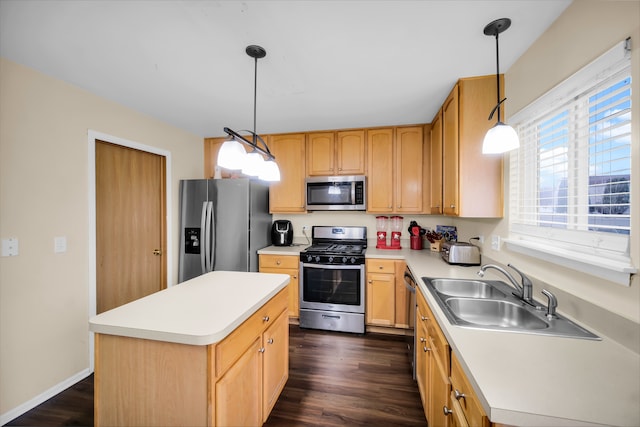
(232, 154)
(502, 137)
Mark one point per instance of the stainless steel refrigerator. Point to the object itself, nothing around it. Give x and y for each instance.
(223, 222)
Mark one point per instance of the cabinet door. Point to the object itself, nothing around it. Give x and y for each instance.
(321, 153)
(450, 153)
(380, 299)
(438, 394)
(422, 359)
(288, 194)
(380, 170)
(436, 165)
(408, 188)
(293, 287)
(239, 391)
(404, 299)
(275, 343)
(350, 153)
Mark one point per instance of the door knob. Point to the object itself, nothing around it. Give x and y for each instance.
(157, 252)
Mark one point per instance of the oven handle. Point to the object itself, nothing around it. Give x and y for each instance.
(333, 267)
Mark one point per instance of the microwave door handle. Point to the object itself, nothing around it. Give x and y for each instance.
(353, 192)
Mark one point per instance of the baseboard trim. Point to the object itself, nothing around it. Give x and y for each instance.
(44, 396)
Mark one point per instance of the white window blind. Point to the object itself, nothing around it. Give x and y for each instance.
(570, 180)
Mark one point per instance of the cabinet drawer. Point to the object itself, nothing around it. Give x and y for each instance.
(381, 266)
(462, 392)
(279, 261)
(232, 347)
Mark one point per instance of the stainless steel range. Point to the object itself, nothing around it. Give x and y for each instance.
(332, 279)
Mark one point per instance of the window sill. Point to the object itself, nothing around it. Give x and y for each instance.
(615, 270)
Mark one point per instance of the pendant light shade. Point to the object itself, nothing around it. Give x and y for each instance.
(499, 139)
(232, 154)
(502, 137)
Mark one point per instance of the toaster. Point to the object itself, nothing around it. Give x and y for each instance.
(460, 253)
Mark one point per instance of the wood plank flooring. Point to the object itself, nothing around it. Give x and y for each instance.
(335, 379)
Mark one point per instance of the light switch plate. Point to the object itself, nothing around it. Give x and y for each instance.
(59, 244)
(10, 246)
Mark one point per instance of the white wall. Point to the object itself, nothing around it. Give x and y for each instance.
(44, 300)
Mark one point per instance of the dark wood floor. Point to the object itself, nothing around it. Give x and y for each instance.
(335, 379)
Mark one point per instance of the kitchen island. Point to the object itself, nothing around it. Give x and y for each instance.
(211, 351)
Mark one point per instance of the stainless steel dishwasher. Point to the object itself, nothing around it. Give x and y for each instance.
(410, 284)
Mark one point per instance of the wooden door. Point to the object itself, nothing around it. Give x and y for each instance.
(130, 225)
(288, 195)
(381, 303)
(450, 161)
(351, 148)
(409, 157)
(380, 170)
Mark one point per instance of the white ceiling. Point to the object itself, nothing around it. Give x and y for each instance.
(329, 64)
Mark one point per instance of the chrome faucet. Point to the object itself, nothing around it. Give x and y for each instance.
(525, 290)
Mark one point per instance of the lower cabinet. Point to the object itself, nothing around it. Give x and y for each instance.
(387, 299)
(447, 396)
(252, 369)
(285, 264)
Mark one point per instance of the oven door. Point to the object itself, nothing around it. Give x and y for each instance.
(332, 287)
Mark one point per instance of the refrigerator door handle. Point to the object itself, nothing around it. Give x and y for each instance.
(211, 236)
(203, 234)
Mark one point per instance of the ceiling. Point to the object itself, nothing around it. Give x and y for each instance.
(329, 64)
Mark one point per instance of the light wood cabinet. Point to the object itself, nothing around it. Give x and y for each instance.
(211, 149)
(336, 153)
(252, 366)
(285, 264)
(387, 299)
(380, 177)
(288, 195)
(472, 182)
(435, 176)
(464, 401)
(394, 158)
(408, 169)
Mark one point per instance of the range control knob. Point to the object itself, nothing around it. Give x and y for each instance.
(309, 258)
(317, 258)
(330, 259)
(344, 259)
(353, 260)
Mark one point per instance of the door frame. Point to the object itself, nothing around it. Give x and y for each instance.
(92, 137)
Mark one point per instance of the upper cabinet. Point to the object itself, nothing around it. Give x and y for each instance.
(336, 153)
(288, 195)
(472, 183)
(395, 174)
(435, 175)
(211, 149)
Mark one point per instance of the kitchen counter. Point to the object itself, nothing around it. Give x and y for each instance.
(200, 311)
(525, 379)
(293, 250)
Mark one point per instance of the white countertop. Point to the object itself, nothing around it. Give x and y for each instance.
(525, 379)
(200, 311)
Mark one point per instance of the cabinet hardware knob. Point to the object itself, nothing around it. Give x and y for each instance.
(422, 339)
(265, 319)
(453, 206)
(370, 281)
(270, 341)
(423, 318)
(261, 350)
(425, 348)
(446, 410)
(380, 268)
(278, 262)
(157, 252)
(295, 277)
(458, 395)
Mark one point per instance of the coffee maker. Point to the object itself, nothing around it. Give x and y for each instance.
(282, 233)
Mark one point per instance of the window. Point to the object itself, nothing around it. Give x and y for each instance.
(570, 180)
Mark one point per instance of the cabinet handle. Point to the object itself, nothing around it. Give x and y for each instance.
(295, 277)
(270, 341)
(423, 318)
(446, 411)
(265, 319)
(453, 206)
(425, 348)
(261, 350)
(380, 267)
(370, 281)
(458, 395)
(278, 261)
(422, 339)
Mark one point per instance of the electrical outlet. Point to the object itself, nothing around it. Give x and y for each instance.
(305, 228)
(481, 239)
(495, 243)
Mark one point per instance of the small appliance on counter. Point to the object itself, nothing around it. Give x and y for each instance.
(282, 233)
(382, 224)
(460, 253)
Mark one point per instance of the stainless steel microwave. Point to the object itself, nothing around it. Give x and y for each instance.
(337, 193)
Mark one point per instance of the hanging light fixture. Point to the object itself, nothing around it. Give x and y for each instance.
(502, 137)
(232, 154)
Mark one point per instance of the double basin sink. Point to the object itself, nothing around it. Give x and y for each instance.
(491, 304)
